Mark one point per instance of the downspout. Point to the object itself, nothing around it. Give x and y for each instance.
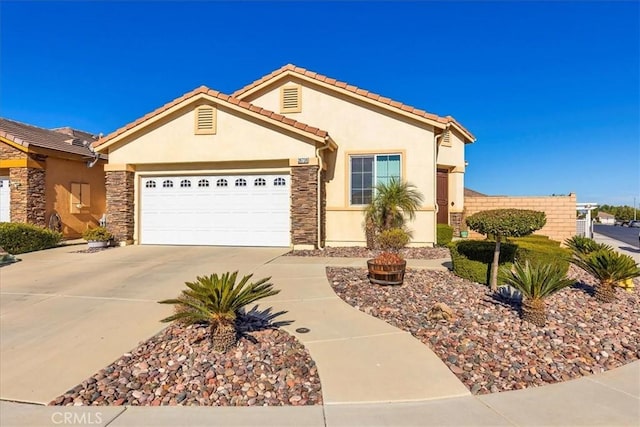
(96, 155)
(319, 202)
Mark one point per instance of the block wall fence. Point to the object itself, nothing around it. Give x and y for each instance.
(560, 211)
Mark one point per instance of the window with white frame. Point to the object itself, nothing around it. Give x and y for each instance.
(369, 170)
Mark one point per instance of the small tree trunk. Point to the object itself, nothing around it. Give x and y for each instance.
(494, 265)
(370, 234)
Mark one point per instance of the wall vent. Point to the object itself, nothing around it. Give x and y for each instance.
(290, 99)
(205, 120)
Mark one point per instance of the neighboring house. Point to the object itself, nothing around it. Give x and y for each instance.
(606, 218)
(289, 160)
(50, 178)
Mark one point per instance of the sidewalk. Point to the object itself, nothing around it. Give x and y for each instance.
(618, 245)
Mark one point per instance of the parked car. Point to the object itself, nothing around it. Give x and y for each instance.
(619, 222)
(634, 223)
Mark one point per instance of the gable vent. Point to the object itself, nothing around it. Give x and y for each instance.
(290, 99)
(446, 138)
(205, 120)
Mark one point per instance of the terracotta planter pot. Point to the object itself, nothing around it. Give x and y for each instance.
(386, 274)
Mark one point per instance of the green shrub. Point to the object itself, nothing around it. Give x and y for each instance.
(501, 223)
(99, 234)
(18, 238)
(393, 239)
(472, 259)
(541, 252)
(444, 234)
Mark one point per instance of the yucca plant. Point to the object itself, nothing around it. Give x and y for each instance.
(585, 245)
(536, 282)
(216, 300)
(609, 268)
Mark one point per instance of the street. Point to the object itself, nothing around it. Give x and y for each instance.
(624, 234)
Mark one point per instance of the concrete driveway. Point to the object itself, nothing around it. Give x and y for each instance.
(65, 315)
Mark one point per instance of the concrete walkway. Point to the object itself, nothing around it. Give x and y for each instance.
(372, 373)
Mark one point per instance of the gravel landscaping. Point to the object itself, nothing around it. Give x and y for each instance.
(486, 344)
(178, 367)
(362, 252)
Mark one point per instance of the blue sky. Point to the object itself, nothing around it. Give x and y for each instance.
(551, 90)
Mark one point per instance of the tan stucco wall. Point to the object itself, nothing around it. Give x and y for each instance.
(60, 173)
(560, 212)
(359, 128)
(173, 140)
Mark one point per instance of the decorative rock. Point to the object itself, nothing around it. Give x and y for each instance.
(488, 346)
(182, 369)
(440, 311)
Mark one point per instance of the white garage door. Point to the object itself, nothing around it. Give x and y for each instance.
(5, 200)
(232, 210)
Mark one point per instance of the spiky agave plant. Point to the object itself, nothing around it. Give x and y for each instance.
(216, 300)
(608, 267)
(536, 282)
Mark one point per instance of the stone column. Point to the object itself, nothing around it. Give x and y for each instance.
(120, 204)
(456, 222)
(304, 205)
(28, 195)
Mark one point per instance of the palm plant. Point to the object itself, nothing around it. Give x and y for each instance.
(609, 268)
(390, 205)
(216, 300)
(536, 282)
(584, 245)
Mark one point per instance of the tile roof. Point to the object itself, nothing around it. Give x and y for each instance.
(221, 96)
(28, 135)
(354, 89)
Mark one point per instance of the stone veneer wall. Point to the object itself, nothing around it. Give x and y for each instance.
(8, 152)
(323, 198)
(28, 195)
(560, 211)
(304, 205)
(120, 204)
(456, 222)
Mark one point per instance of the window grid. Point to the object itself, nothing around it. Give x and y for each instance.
(222, 183)
(241, 182)
(279, 182)
(167, 184)
(185, 183)
(150, 184)
(367, 171)
(260, 182)
(203, 183)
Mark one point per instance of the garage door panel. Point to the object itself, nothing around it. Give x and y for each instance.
(231, 210)
(5, 200)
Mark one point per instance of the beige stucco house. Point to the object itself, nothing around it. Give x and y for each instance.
(289, 160)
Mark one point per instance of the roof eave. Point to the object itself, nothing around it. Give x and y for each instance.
(194, 96)
(287, 72)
